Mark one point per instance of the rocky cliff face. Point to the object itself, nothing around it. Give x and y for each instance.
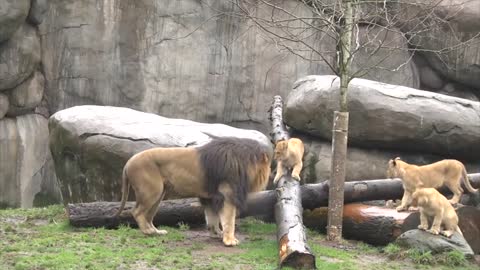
(27, 175)
(191, 59)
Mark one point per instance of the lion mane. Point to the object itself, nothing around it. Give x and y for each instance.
(220, 173)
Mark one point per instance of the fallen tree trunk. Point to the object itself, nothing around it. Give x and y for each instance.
(261, 204)
(374, 225)
(293, 249)
(377, 225)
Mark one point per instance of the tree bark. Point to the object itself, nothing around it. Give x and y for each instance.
(292, 241)
(340, 128)
(260, 204)
(378, 225)
(337, 175)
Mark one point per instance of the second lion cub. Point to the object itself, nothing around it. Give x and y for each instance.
(433, 204)
(289, 154)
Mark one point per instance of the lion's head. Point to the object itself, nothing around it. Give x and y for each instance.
(281, 150)
(393, 170)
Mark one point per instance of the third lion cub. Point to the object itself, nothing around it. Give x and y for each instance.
(433, 204)
(289, 154)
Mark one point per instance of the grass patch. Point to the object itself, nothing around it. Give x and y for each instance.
(41, 238)
(447, 260)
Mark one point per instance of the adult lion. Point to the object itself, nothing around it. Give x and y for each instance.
(221, 173)
(448, 172)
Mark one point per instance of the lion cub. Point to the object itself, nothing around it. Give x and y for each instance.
(289, 154)
(448, 172)
(433, 204)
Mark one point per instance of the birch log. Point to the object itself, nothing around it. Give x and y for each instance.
(293, 250)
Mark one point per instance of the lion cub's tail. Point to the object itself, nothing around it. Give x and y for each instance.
(125, 190)
(466, 181)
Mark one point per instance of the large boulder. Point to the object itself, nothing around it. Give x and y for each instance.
(425, 241)
(27, 96)
(362, 163)
(19, 57)
(185, 59)
(387, 116)
(12, 16)
(27, 176)
(91, 144)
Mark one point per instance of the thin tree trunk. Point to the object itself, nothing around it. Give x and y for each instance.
(340, 130)
(292, 241)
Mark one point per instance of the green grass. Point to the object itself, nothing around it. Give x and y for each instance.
(41, 238)
(447, 260)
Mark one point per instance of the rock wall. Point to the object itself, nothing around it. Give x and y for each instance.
(27, 174)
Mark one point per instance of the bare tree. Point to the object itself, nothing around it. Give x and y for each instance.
(355, 38)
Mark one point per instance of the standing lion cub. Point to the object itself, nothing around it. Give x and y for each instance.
(433, 204)
(289, 154)
(448, 172)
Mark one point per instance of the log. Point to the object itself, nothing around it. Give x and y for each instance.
(379, 225)
(293, 249)
(374, 225)
(260, 204)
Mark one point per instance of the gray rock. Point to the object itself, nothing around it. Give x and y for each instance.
(12, 16)
(19, 57)
(362, 163)
(429, 78)
(387, 116)
(455, 22)
(3, 105)
(26, 166)
(152, 56)
(27, 96)
(425, 241)
(37, 11)
(457, 90)
(398, 69)
(90, 145)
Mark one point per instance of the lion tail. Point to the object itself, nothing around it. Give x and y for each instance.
(125, 191)
(466, 181)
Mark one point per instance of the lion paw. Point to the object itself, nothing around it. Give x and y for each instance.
(215, 232)
(412, 208)
(400, 208)
(447, 234)
(433, 231)
(230, 242)
(275, 180)
(422, 227)
(296, 177)
(161, 232)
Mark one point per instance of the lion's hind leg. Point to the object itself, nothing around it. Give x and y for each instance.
(457, 191)
(151, 214)
(213, 222)
(296, 170)
(148, 199)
